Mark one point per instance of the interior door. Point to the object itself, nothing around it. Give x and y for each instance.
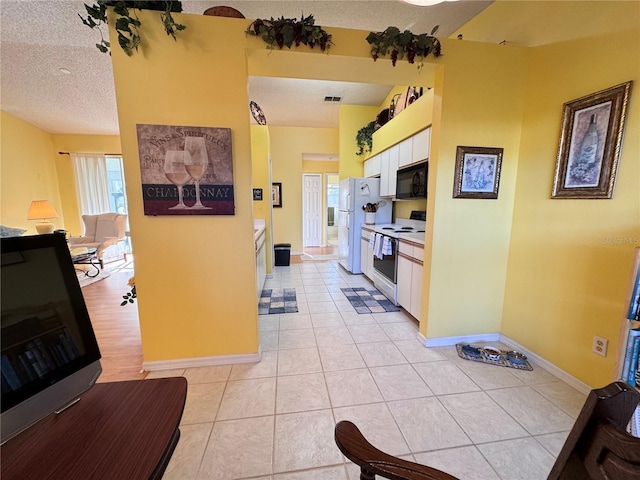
(312, 210)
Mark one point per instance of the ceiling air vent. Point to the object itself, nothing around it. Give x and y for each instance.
(332, 99)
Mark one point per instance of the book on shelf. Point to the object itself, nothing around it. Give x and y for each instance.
(633, 366)
(633, 312)
(634, 334)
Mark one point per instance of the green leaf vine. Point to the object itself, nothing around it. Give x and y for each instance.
(364, 138)
(127, 22)
(398, 44)
(286, 32)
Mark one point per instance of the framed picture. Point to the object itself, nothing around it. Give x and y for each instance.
(477, 172)
(276, 194)
(590, 142)
(257, 194)
(186, 170)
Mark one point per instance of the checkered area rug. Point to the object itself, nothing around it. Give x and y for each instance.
(277, 300)
(369, 301)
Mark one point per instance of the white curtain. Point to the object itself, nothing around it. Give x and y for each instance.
(91, 183)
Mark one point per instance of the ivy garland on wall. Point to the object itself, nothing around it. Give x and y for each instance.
(286, 32)
(127, 22)
(398, 44)
(364, 138)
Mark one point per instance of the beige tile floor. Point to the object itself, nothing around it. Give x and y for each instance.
(274, 419)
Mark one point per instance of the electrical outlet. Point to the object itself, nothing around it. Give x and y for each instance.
(600, 346)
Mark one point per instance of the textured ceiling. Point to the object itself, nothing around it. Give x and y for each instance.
(38, 38)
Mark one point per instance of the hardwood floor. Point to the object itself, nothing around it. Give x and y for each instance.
(117, 329)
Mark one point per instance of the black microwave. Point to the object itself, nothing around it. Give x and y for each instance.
(412, 181)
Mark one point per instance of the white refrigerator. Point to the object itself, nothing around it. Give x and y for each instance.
(354, 194)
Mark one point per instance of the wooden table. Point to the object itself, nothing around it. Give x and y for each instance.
(120, 430)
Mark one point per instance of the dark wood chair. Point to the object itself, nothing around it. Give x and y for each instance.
(597, 448)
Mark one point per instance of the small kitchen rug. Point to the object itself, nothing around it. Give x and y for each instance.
(477, 354)
(368, 301)
(277, 300)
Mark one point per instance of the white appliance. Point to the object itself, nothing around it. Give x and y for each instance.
(385, 267)
(355, 193)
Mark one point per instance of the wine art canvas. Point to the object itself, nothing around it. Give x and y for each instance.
(590, 142)
(186, 170)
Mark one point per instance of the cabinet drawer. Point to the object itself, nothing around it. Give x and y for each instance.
(418, 253)
(405, 248)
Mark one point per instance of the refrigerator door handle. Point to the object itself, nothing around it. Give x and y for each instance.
(348, 220)
(348, 206)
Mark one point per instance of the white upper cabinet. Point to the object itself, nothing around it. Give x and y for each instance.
(384, 174)
(421, 146)
(372, 166)
(394, 158)
(405, 153)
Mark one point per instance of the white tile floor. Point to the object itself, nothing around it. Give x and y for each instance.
(274, 419)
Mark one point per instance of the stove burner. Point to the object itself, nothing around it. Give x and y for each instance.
(406, 228)
(420, 231)
(387, 228)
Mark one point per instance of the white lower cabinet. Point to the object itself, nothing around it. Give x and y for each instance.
(409, 288)
(366, 255)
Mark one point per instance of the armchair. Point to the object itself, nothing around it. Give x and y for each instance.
(106, 232)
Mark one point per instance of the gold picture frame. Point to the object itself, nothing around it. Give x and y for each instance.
(477, 173)
(590, 143)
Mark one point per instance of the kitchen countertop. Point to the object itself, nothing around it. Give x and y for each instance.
(258, 229)
(415, 237)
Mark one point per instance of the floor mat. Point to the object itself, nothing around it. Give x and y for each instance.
(277, 300)
(85, 280)
(511, 359)
(369, 301)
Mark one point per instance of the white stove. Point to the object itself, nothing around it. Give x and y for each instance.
(385, 267)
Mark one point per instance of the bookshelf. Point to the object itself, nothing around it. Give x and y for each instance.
(628, 366)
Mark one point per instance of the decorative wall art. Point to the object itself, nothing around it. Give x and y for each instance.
(477, 172)
(590, 142)
(257, 194)
(276, 194)
(186, 170)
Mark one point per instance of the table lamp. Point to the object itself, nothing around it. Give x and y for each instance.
(42, 209)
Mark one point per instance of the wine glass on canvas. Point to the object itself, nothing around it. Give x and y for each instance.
(175, 171)
(197, 164)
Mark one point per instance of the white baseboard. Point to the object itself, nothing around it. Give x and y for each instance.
(200, 362)
(446, 341)
(547, 365)
(498, 337)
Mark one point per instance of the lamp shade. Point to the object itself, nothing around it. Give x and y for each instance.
(42, 209)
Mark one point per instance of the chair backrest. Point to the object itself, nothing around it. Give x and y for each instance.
(597, 448)
(105, 225)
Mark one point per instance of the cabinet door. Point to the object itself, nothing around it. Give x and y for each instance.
(416, 289)
(421, 146)
(384, 173)
(404, 282)
(368, 168)
(406, 147)
(364, 252)
(394, 157)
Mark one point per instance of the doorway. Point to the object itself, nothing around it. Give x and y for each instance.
(333, 191)
(312, 210)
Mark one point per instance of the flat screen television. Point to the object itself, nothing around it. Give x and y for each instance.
(49, 353)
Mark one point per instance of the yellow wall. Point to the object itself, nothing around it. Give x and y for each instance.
(195, 275)
(570, 260)
(28, 172)
(351, 119)
(261, 179)
(288, 144)
(468, 239)
(66, 176)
